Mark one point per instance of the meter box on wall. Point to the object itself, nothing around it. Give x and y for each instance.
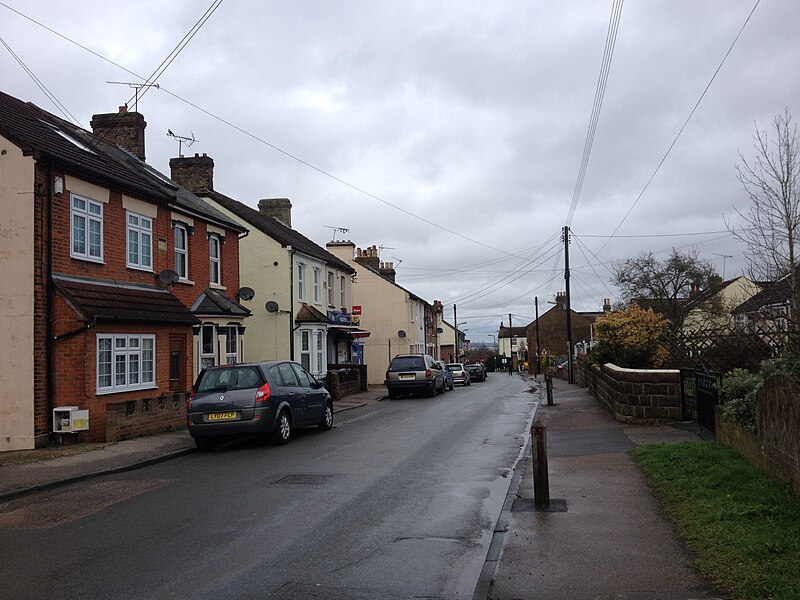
(70, 419)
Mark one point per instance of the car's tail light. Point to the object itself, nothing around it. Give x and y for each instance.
(428, 374)
(387, 376)
(262, 395)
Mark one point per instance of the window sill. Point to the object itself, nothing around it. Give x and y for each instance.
(90, 259)
(105, 392)
(185, 281)
(216, 286)
(138, 268)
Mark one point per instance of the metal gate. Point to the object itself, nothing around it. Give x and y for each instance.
(699, 396)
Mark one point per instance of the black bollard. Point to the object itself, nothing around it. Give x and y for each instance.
(548, 380)
(541, 481)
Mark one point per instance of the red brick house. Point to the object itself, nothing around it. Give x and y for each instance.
(118, 284)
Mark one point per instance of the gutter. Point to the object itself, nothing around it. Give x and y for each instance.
(49, 300)
(292, 252)
(76, 331)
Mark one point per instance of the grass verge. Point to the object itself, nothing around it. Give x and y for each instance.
(743, 527)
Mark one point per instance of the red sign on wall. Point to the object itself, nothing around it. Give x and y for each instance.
(356, 310)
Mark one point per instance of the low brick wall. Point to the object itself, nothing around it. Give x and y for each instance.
(642, 396)
(775, 446)
(343, 380)
(125, 420)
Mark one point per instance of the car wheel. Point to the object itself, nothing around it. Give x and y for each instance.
(432, 391)
(467, 382)
(452, 387)
(327, 418)
(204, 443)
(392, 394)
(283, 428)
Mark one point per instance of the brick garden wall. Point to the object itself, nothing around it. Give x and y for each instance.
(634, 395)
(775, 446)
(125, 420)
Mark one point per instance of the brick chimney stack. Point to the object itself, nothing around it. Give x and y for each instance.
(387, 271)
(279, 208)
(195, 173)
(124, 129)
(369, 258)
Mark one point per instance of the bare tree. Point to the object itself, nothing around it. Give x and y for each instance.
(772, 224)
(664, 285)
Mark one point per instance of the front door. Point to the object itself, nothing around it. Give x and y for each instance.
(177, 363)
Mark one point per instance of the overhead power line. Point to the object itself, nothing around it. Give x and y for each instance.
(602, 80)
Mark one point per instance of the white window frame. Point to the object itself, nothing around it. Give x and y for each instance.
(142, 229)
(181, 253)
(91, 213)
(131, 363)
(305, 348)
(301, 281)
(210, 358)
(331, 286)
(214, 262)
(317, 285)
(232, 345)
(342, 292)
(319, 353)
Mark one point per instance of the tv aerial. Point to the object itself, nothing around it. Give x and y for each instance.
(137, 87)
(334, 230)
(189, 141)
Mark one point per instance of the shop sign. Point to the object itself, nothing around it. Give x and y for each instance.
(356, 310)
(339, 318)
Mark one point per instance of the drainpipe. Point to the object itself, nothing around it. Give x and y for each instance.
(291, 301)
(49, 301)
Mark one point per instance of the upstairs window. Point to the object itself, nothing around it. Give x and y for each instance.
(86, 231)
(301, 281)
(317, 284)
(214, 259)
(181, 237)
(341, 293)
(140, 242)
(331, 284)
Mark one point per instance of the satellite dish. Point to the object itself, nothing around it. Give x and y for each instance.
(439, 330)
(245, 293)
(401, 334)
(168, 277)
(271, 306)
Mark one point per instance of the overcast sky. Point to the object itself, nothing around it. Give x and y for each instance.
(449, 133)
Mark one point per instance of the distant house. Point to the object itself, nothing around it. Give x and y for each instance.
(400, 322)
(116, 281)
(512, 342)
(767, 312)
(713, 309)
(303, 293)
(552, 328)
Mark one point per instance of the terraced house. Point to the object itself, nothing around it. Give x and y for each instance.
(118, 285)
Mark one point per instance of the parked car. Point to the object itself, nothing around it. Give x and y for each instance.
(448, 376)
(272, 398)
(414, 374)
(460, 374)
(477, 372)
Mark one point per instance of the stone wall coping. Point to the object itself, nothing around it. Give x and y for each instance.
(613, 367)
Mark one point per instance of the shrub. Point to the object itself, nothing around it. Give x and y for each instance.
(630, 338)
(739, 391)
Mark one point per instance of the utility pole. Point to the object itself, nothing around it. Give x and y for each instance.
(455, 322)
(511, 347)
(567, 305)
(538, 349)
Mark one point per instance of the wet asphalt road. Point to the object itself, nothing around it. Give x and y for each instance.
(399, 500)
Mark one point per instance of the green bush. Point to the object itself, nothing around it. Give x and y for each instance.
(739, 392)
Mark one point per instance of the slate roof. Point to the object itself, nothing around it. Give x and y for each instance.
(508, 332)
(212, 303)
(106, 300)
(79, 152)
(278, 231)
(309, 314)
(773, 294)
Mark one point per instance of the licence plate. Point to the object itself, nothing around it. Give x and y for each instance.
(406, 376)
(223, 416)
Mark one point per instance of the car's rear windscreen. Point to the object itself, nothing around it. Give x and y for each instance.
(230, 378)
(407, 363)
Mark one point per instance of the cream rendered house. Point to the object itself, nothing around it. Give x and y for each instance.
(395, 316)
(303, 294)
(713, 309)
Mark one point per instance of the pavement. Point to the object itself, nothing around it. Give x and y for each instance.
(603, 536)
(26, 471)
